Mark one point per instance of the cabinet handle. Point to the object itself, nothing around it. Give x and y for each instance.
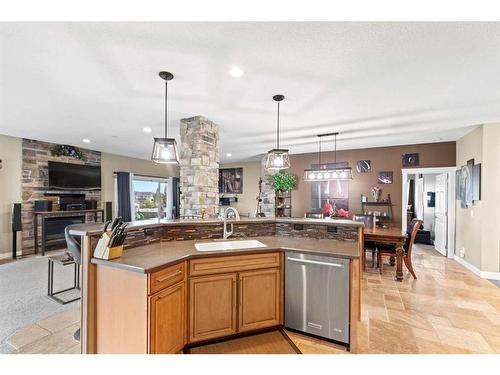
(240, 292)
(166, 277)
(315, 262)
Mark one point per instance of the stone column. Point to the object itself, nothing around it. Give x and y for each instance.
(268, 193)
(199, 167)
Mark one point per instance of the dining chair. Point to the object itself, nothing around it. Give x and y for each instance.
(390, 250)
(368, 245)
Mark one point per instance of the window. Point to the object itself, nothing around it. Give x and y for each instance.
(150, 198)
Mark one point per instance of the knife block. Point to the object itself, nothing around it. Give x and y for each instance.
(103, 251)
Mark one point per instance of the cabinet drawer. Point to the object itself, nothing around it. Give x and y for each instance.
(233, 263)
(166, 277)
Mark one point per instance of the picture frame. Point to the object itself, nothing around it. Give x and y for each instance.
(363, 166)
(385, 177)
(411, 160)
(231, 181)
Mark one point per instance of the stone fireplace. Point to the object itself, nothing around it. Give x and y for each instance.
(35, 183)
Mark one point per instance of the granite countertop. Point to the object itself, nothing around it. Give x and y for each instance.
(153, 257)
(95, 229)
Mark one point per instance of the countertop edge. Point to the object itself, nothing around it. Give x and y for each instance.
(145, 271)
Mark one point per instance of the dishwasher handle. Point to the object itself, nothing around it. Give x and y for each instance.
(315, 262)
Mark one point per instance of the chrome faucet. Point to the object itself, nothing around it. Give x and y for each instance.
(236, 217)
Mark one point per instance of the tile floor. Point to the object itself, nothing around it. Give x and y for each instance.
(53, 335)
(446, 310)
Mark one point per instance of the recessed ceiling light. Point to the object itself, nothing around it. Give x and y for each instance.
(236, 72)
(229, 154)
(147, 129)
(86, 140)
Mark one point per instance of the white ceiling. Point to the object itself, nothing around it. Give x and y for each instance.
(378, 84)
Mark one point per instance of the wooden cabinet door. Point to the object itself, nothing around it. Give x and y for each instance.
(259, 299)
(167, 320)
(212, 306)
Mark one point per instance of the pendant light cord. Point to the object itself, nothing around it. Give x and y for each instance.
(278, 129)
(335, 153)
(166, 112)
(319, 154)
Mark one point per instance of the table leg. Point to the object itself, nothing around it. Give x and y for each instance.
(51, 279)
(392, 261)
(43, 236)
(35, 230)
(399, 263)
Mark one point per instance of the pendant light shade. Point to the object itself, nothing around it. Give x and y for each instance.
(278, 158)
(322, 173)
(165, 149)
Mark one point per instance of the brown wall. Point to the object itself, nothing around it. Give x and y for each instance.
(382, 159)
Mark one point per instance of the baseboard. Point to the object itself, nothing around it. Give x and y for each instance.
(490, 275)
(477, 271)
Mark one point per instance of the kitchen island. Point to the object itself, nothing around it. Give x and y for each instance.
(163, 295)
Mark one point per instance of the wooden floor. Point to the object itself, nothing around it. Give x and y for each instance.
(447, 310)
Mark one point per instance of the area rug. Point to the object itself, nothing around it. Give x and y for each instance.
(23, 294)
(274, 342)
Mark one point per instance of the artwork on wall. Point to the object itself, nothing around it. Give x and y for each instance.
(476, 182)
(363, 166)
(411, 160)
(231, 180)
(468, 183)
(385, 177)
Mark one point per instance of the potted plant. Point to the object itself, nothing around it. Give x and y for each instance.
(284, 182)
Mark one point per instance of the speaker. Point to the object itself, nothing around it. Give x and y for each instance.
(43, 205)
(109, 211)
(17, 224)
(91, 204)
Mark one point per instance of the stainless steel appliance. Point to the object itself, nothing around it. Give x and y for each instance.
(317, 295)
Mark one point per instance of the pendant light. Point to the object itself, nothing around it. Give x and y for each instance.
(165, 149)
(328, 174)
(277, 158)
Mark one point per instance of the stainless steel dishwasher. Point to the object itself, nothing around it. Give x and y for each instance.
(317, 295)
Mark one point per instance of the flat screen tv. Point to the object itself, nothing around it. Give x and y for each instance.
(74, 176)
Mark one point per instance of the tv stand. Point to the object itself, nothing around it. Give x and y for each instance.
(52, 224)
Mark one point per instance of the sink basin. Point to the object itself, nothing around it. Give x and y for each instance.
(228, 245)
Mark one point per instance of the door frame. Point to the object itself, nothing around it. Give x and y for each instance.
(450, 249)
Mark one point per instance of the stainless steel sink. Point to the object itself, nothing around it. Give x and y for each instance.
(228, 245)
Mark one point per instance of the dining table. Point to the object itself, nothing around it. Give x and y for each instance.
(390, 236)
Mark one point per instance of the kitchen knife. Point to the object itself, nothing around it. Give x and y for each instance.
(106, 224)
(116, 221)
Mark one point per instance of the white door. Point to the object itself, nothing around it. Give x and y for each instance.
(419, 198)
(441, 214)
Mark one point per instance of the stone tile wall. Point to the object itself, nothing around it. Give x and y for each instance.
(35, 182)
(199, 167)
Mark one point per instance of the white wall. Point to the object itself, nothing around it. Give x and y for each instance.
(247, 202)
(10, 189)
(478, 226)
